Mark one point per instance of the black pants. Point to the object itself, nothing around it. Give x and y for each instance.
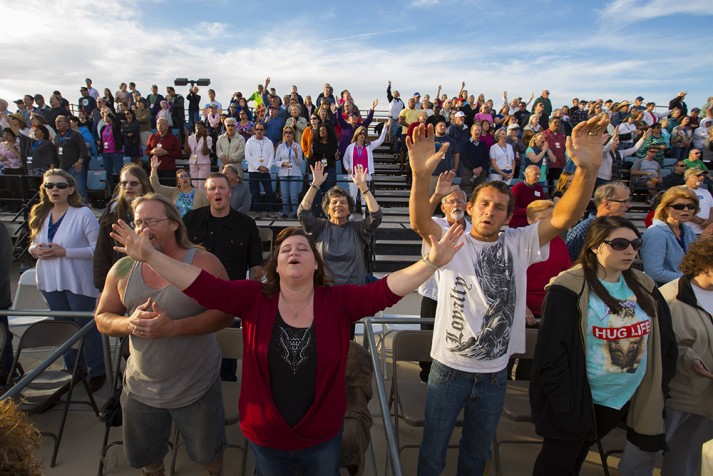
(565, 457)
(428, 309)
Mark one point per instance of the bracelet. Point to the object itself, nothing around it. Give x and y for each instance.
(314, 187)
(428, 261)
(364, 191)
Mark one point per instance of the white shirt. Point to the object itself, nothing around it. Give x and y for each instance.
(259, 152)
(77, 234)
(395, 108)
(429, 289)
(480, 318)
(504, 158)
(294, 156)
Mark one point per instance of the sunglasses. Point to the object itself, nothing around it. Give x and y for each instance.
(59, 185)
(682, 206)
(620, 244)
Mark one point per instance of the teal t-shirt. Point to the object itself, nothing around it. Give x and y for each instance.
(616, 346)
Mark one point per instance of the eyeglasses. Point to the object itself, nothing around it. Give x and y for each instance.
(132, 184)
(620, 244)
(628, 200)
(184, 176)
(695, 153)
(258, 130)
(59, 185)
(681, 206)
(287, 133)
(147, 222)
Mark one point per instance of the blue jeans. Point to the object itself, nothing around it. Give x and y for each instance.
(290, 188)
(318, 460)
(261, 203)
(80, 178)
(450, 391)
(93, 351)
(113, 163)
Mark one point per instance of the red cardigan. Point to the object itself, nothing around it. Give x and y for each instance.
(335, 308)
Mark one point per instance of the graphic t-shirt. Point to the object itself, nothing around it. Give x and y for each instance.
(616, 346)
(480, 319)
(429, 288)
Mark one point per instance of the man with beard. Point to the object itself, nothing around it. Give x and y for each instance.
(171, 376)
(453, 201)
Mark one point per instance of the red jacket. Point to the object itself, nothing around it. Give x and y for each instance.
(556, 141)
(172, 146)
(335, 308)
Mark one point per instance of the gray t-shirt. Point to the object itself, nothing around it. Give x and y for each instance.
(169, 372)
(341, 246)
(647, 166)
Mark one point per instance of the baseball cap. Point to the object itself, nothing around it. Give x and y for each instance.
(694, 171)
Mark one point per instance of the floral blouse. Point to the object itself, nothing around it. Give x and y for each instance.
(9, 157)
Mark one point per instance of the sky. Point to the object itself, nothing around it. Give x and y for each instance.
(590, 49)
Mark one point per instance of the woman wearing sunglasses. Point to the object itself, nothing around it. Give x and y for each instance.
(64, 234)
(605, 352)
(667, 239)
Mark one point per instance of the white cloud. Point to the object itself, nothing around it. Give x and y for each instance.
(112, 42)
(624, 12)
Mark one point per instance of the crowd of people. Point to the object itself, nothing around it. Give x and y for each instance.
(612, 348)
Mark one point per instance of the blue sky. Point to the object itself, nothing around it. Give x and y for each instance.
(592, 49)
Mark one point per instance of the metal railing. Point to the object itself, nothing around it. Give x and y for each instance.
(389, 431)
(59, 352)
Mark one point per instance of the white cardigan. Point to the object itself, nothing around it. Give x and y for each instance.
(349, 153)
(77, 234)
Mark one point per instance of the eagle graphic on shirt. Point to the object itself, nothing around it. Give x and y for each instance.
(495, 276)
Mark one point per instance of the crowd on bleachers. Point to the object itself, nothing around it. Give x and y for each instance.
(612, 347)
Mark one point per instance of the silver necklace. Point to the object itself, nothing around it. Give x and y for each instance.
(289, 308)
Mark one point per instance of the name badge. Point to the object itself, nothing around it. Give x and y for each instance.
(558, 145)
(537, 194)
(324, 162)
(106, 145)
(59, 150)
(195, 158)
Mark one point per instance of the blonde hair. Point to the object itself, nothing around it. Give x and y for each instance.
(536, 207)
(671, 195)
(39, 212)
(19, 442)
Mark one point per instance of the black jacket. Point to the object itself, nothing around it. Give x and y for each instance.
(244, 248)
(560, 396)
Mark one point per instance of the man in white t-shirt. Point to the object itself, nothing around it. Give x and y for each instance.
(694, 179)
(480, 318)
(452, 200)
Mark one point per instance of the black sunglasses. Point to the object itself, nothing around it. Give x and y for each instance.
(681, 206)
(59, 185)
(620, 244)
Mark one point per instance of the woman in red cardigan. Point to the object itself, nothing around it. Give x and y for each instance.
(296, 335)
